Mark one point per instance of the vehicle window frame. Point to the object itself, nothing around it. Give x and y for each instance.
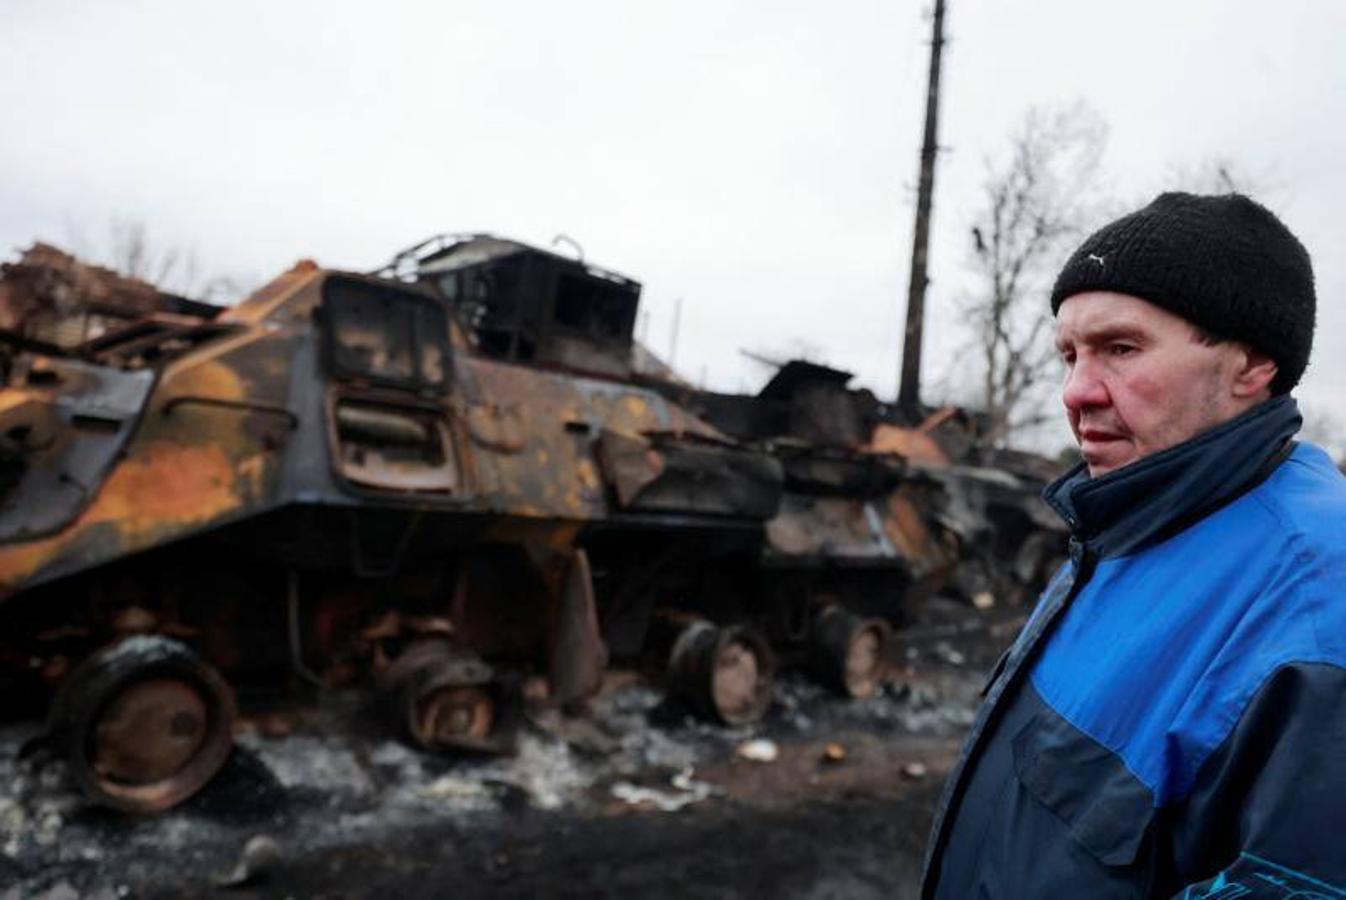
(332, 318)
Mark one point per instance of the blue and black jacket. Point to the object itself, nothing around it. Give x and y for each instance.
(1171, 722)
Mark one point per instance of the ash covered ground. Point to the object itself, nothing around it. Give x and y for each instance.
(824, 798)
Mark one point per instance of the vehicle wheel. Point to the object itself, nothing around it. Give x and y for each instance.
(145, 724)
(724, 673)
(438, 697)
(849, 654)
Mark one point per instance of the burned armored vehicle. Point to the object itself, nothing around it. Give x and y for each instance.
(836, 444)
(433, 479)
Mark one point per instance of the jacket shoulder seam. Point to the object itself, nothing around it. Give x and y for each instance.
(1243, 699)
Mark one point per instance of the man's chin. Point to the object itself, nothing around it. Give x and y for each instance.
(1104, 461)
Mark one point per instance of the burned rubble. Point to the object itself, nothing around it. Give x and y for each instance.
(366, 551)
(320, 777)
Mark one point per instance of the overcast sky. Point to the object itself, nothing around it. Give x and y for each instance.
(755, 159)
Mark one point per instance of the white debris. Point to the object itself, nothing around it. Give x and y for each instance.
(686, 790)
(450, 787)
(759, 750)
(684, 781)
(259, 854)
(949, 654)
(545, 770)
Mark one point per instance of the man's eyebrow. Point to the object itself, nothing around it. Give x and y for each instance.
(1110, 333)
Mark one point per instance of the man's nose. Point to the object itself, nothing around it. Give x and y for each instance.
(1084, 387)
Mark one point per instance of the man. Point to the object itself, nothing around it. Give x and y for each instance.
(1171, 722)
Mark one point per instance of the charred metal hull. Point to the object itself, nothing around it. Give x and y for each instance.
(346, 469)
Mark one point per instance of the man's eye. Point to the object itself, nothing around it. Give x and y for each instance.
(1068, 357)
(1121, 349)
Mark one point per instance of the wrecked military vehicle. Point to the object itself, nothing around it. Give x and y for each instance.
(984, 506)
(434, 479)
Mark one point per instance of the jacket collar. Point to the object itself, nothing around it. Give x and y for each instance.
(1150, 499)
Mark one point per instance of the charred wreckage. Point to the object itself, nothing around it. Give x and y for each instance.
(436, 479)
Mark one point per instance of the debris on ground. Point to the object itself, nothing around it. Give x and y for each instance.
(914, 770)
(685, 790)
(259, 855)
(759, 750)
(949, 654)
(338, 796)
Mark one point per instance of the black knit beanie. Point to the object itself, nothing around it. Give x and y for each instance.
(1225, 264)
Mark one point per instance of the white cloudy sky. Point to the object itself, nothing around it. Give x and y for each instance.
(755, 159)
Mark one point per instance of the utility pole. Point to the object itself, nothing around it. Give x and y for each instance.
(909, 390)
(673, 341)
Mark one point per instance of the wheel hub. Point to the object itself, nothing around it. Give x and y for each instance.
(451, 714)
(149, 731)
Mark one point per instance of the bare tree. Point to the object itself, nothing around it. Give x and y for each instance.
(129, 250)
(1220, 175)
(170, 268)
(1036, 203)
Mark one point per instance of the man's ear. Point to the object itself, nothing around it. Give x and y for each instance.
(1255, 373)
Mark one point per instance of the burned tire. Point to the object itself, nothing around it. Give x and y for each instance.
(724, 673)
(439, 698)
(848, 653)
(145, 724)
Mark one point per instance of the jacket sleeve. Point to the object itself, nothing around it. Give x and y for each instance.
(1267, 816)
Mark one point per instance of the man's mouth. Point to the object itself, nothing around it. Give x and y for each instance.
(1103, 450)
(1098, 436)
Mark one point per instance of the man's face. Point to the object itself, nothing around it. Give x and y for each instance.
(1138, 379)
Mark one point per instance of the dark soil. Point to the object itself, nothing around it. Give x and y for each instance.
(854, 847)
